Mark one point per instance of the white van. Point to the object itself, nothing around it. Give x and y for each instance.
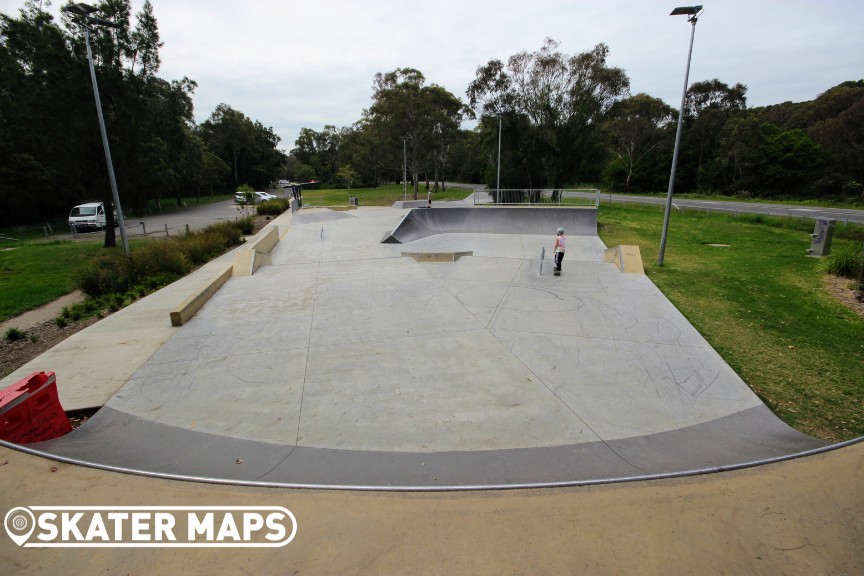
(90, 216)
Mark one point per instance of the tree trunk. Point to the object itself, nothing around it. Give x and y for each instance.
(110, 236)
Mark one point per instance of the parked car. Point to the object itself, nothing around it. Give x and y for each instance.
(252, 197)
(264, 196)
(89, 216)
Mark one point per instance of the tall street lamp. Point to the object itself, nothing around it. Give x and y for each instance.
(82, 14)
(692, 13)
(498, 183)
(404, 168)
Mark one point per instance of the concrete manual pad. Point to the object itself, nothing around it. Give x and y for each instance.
(345, 364)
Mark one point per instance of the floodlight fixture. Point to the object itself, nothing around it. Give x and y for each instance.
(692, 11)
(81, 9)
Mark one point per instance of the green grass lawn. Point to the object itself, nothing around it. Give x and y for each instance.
(33, 273)
(759, 301)
(384, 195)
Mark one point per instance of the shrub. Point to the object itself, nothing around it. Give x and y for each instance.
(274, 207)
(160, 257)
(110, 271)
(14, 334)
(246, 224)
(199, 248)
(110, 277)
(846, 261)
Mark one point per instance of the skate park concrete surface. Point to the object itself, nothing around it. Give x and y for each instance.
(344, 364)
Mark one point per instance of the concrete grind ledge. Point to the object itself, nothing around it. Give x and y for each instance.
(247, 259)
(187, 309)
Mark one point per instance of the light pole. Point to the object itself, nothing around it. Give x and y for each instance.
(81, 15)
(404, 169)
(498, 183)
(692, 13)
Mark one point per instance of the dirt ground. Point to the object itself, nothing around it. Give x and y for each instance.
(843, 289)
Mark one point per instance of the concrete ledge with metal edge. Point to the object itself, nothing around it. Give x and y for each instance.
(187, 309)
(247, 260)
(256, 253)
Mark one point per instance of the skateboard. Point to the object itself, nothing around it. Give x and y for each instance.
(557, 272)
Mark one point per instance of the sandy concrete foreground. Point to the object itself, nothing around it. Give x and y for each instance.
(804, 516)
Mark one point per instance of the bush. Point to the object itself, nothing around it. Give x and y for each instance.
(153, 265)
(110, 271)
(246, 224)
(846, 261)
(274, 207)
(15, 334)
(161, 257)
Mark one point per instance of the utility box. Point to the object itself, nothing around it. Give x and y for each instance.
(352, 201)
(823, 233)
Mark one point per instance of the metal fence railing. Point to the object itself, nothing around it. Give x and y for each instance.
(538, 197)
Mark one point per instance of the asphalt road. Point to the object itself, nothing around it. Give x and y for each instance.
(841, 215)
(195, 217)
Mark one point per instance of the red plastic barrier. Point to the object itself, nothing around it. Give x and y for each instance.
(30, 410)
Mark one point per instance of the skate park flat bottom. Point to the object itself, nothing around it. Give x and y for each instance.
(346, 364)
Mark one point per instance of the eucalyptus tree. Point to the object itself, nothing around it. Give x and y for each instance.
(636, 127)
(561, 97)
(404, 106)
(229, 133)
(708, 106)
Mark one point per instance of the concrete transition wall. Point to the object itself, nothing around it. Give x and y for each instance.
(420, 223)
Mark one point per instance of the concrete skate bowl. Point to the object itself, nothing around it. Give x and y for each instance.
(596, 381)
(421, 223)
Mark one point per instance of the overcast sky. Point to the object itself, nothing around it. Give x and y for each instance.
(292, 64)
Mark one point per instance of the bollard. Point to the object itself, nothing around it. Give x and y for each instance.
(166, 230)
(187, 228)
(542, 256)
(821, 237)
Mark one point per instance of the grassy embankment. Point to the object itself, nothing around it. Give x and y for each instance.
(759, 301)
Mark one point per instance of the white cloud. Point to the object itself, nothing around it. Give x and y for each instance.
(309, 63)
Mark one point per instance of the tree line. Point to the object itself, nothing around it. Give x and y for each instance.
(561, 120)
(51, 153)
(568, 119)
